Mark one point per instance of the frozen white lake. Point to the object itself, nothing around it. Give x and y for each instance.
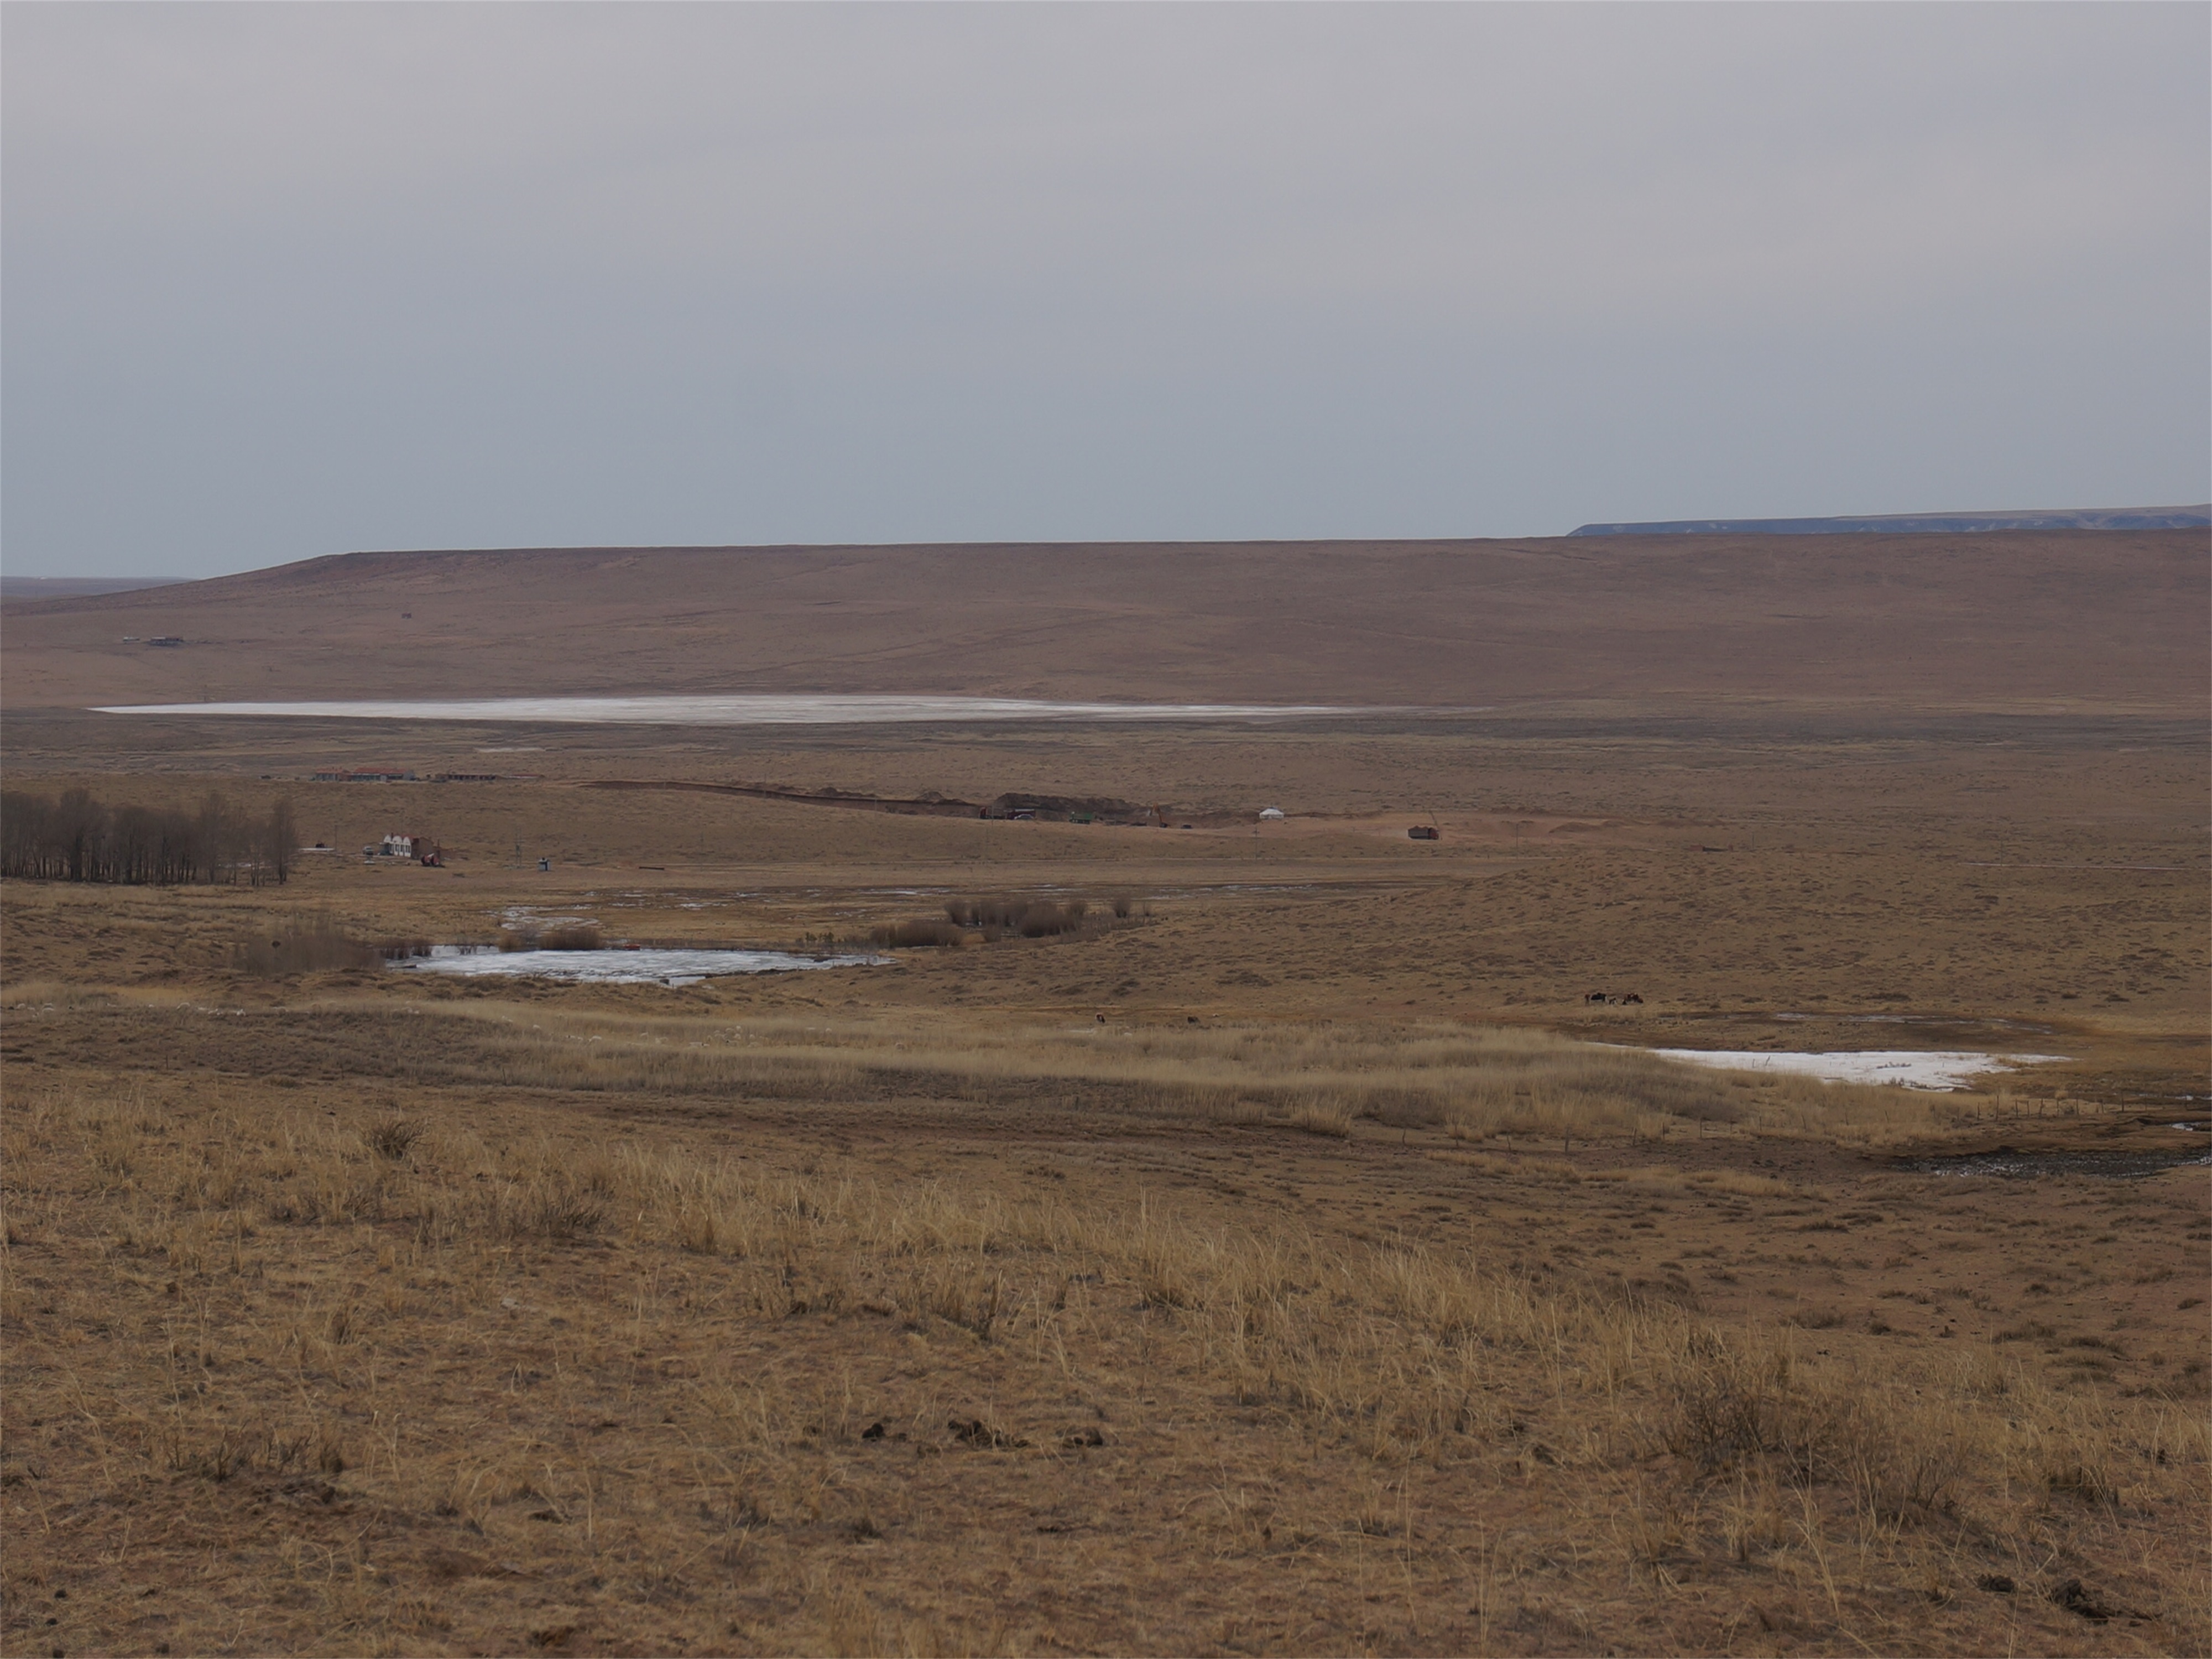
(1915, 1068)
(619, 967)
(807, 710)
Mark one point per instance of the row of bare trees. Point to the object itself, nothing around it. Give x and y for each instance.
(77, 838)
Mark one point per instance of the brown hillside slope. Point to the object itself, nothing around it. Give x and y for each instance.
(2025, 622)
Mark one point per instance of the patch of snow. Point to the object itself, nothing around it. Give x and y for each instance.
(820, 710)
(620, 967)
(1914, 1068)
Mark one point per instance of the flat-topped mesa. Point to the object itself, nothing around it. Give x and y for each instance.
(2006, 621)
(1906, 524)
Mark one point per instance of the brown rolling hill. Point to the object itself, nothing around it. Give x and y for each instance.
(2027, 622)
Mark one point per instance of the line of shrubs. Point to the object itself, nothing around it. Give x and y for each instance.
(315, 944)
(77, 838)
(1011, 916)
(562, 936)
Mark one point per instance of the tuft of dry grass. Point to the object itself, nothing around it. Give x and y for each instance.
(394, 1138)
(1322, 1117)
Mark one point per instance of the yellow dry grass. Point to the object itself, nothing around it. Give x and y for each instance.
(578, 1384)
(1327, 1295)
(1479, 1083)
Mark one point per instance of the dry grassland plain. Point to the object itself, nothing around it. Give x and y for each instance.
(1295, 1261)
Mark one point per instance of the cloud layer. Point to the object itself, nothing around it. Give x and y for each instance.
(287, 281)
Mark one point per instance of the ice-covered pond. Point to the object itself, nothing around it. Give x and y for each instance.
(2130, 1163)
(780, 710)
(1913, 1067)
(619, 967)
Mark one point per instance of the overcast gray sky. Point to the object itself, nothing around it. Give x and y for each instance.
(283, 281)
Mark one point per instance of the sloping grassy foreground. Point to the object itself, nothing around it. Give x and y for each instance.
(631, 1368)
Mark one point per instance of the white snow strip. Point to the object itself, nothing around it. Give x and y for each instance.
(622, 967)
(1915, 1068)
(811, 710)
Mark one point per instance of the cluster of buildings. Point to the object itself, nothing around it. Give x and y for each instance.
(421, 849)
(367, 774)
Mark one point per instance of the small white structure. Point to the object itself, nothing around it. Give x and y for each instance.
(1270, 814)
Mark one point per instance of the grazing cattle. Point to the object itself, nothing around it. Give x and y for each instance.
(1611, 1001)
(1597, 996)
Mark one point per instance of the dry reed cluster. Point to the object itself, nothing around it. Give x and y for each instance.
(558, 935)
(313, 942)
(987, 921)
